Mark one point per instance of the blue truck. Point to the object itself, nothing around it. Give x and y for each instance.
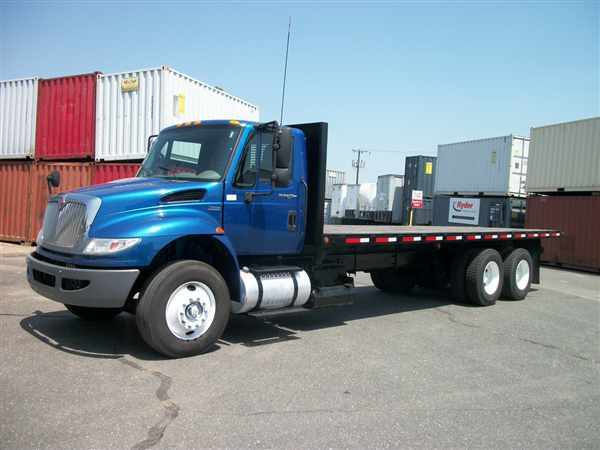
(226, 217)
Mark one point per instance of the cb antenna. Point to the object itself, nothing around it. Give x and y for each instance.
(287, 50)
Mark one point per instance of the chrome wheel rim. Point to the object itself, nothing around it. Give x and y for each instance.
(190, 310)
(522, 274)
(491, 277)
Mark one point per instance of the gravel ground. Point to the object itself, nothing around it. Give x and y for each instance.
(389, 371)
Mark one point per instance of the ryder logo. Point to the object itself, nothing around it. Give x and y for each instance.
(462, 206)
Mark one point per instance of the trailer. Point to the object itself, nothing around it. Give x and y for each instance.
(226, 217)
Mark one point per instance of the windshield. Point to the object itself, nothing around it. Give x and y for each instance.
(193, 153)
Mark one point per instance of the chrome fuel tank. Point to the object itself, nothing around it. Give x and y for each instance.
(272, 289)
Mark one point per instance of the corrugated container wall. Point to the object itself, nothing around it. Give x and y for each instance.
(72, 176)
(18, 111)
(107, 172)
(565, 157)
(397, 209)
(494, 166)
(578, 218)
(131, 106)
(419, 174)
(15, 191)
(386, 189)
(333, 177)
(66, 118)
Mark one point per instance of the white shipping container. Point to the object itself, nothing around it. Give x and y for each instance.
(338, 200)
(18, 111)
(131, 106)
(565, 156)
(386, 188)
(362, 195)
(333, 177)
(494, 166)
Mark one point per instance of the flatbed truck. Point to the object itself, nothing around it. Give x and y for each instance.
(226, 217)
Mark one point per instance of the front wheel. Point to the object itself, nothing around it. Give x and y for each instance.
(184, 309)
(93, 314)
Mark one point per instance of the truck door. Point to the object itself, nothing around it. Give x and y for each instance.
(261, 216)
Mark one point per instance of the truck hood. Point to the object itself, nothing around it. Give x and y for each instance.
(138, 193)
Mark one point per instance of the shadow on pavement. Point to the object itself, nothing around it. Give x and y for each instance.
(118, 337)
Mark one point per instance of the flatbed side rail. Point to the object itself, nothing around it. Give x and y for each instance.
(337, 240)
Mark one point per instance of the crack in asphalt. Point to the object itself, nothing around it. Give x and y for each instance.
(452, 318)
(170, 408)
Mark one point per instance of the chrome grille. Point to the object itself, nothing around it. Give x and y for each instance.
(64, 224)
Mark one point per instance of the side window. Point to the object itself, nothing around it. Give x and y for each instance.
(258, 158)
(246, 176)
(266, 156)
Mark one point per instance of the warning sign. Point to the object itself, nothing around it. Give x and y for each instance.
(416, 200)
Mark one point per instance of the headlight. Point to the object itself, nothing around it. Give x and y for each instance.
(109, 246)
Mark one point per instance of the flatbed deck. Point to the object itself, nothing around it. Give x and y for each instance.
(366, 230)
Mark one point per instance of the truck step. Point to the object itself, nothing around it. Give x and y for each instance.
(277, 312)
(331, 296)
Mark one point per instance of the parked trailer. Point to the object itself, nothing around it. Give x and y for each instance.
(238, 228)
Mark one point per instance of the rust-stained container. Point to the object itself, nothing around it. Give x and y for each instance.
(72, 176)
(106, 172)
(15, 193)
(578, 218)
(66, 118)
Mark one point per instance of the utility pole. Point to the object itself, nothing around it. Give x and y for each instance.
(358, 163)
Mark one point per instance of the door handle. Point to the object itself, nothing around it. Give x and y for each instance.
(291, 222)
(289, 196)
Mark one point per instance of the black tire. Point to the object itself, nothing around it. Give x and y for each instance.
(92, 314)
(474, 275)
(511, 290)
(150, 313)
(458, 275)
(393, 281)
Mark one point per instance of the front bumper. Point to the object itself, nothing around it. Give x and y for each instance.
(97, 288)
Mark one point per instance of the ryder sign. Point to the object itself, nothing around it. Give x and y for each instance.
(464, 210)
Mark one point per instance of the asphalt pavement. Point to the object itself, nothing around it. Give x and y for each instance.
(386, 372)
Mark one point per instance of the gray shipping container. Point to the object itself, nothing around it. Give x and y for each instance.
(565, 157)
(386, 188)
(494, 167)
(333, 177)
(502, 212)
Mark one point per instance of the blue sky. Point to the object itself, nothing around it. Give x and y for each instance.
(385, 75)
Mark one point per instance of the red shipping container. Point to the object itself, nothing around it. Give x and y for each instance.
(578, 219)
(66, 118)
(15, 193)
(72, 176)
(103, 173)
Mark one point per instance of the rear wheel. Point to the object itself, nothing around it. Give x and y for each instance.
(91, 314)
(457, 275)
(517, 274)
(184, 309)
(393, 281)
(484, 277)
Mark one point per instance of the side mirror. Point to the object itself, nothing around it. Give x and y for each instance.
(282, 169)
(53, 179)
